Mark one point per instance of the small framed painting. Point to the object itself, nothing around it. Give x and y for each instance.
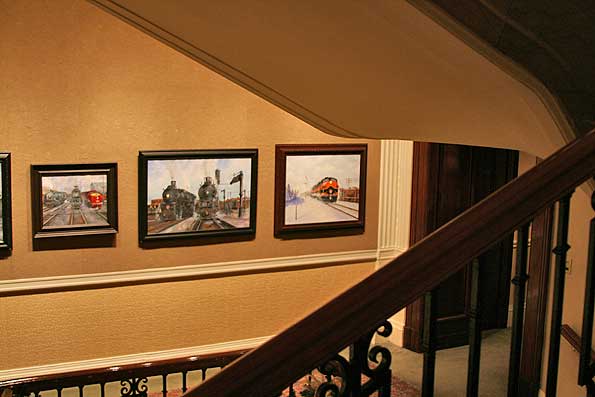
(194, 195)
(320, 190)
(5, 206)
(74, 200)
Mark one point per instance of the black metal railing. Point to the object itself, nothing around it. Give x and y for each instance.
(361, 370)
(587, 365)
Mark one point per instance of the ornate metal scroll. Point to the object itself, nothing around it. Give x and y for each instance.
(135, 387)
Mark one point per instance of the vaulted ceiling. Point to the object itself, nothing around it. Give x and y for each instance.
(395, 68)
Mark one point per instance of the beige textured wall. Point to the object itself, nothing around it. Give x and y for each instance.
(71, 326)
(80, 86)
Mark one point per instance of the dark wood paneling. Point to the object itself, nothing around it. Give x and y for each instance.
(536, 302)
(448, 179)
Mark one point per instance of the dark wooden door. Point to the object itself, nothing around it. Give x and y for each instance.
(448, 179)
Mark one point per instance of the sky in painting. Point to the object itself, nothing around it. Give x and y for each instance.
(190, 174)
(303, 172)
(68, 182)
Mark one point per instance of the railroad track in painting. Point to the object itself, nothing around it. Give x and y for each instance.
(344, 209)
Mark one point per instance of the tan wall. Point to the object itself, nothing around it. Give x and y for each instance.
(80, 86)
(71, 326)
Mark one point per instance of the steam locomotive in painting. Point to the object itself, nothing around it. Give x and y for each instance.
(54, 198)
(326, 190)
(75, 198)
(176, 203)
(207, 203)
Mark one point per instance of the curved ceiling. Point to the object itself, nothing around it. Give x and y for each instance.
(378, 69)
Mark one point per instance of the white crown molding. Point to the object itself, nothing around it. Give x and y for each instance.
(58, 283)
(139, 358)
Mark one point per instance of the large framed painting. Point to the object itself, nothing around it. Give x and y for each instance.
(5, 206)
(192, 196)
(74, 200)
(320, 190)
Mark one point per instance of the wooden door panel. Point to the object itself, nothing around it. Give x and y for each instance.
(448, 179)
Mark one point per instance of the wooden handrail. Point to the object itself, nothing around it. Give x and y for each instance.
(314, 339)
(118, 372)
(575, 341)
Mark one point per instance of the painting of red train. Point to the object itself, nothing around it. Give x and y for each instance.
(197, 193)
(322, 185)
(74, 200)
(322, 188)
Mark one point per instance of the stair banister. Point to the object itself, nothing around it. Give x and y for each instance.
(309, 342)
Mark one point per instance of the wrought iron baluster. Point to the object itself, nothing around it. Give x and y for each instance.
(361, 354)
(518, 313)
(59, 390)
(184, 381)
(585, 377)
(81, 390)
(429, 345)
(560, 251)
(203, 374)
(164, 381)
(474, 332)
(102, 389)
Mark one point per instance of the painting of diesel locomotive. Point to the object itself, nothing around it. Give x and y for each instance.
(197, 193)
(74, 200)
(322, 186)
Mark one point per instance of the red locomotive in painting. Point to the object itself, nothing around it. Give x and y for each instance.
(326, 190)
(95, 199)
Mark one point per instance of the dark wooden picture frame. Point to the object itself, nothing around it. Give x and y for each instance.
(5, 206)
(84, 203)
(202, 201)
(334, 196)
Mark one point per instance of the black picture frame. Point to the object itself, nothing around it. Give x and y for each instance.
(5, 206)
(202, 218)
(320, 228)
(64, 212)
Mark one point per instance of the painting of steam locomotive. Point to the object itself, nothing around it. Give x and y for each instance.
(319, 188)
(5, 206)
(74, 199)
(196, 193)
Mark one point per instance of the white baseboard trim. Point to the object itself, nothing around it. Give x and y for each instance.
(389, 253)
(47, 284)
(138, 358)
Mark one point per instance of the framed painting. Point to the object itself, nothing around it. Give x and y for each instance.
(320, 190)
(5, 206)
(74, 200)
(196, 195)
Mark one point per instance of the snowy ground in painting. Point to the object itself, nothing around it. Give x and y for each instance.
(315, 211)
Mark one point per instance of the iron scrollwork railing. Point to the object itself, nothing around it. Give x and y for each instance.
(134, 387)
(365, 372)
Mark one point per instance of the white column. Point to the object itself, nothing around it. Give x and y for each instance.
(396, 172)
